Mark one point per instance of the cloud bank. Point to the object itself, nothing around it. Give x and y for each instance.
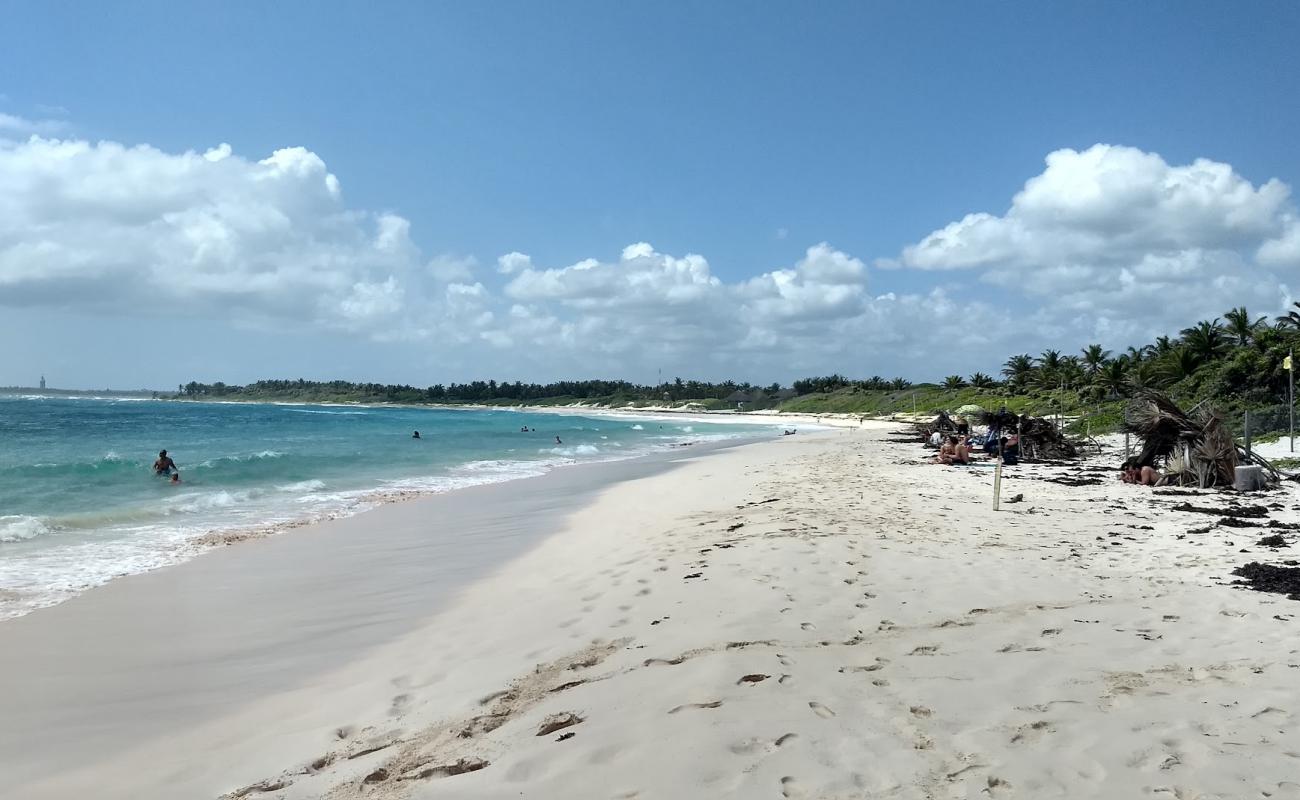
(1107, 243)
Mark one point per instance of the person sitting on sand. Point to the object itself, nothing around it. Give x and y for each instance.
(963, 427)
(164, 466)
(1142, 474)
(954, 451)
(1010, 448)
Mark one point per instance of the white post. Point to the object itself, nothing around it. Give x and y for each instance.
(997, 484)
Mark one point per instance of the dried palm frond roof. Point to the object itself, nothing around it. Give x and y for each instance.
(1195, 449)
(1040, 438)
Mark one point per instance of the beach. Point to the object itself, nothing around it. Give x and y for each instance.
(824, 615)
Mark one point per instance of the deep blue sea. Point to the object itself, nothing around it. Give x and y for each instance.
(79, 503)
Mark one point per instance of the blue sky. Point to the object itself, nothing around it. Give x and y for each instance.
(746, 133)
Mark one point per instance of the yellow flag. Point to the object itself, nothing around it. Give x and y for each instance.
(1286, 363)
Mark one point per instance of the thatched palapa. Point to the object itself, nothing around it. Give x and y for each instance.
(1194, 449)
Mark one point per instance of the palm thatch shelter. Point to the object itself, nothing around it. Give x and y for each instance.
(1196, 449)
(1040, 439)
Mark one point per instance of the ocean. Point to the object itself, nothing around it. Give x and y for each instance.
(79, 504)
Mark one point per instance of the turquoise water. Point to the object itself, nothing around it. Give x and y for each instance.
(79, 504)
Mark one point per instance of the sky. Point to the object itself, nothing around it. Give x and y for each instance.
(432, 192)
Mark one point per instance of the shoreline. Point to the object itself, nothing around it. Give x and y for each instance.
(16, 604)
(214, 622)
(819, 616)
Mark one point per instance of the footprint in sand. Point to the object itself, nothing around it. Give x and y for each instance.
(821, 710)
(790, 788)
(808, 626)
(785, 738)
(713, 704)
(400, 703)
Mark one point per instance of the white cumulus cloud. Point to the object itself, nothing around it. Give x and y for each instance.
(1117, 234)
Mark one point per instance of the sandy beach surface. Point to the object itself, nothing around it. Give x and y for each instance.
(821, 616)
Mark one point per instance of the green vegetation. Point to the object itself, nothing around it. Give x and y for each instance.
(1234, 362)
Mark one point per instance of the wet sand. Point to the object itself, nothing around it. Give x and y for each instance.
(818, 616)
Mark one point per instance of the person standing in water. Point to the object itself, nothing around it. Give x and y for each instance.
(557, 440)
(164, 466)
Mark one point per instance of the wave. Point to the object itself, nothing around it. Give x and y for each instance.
(572, 452)
(214, 462)
(331, 413)
(110, 464)
(638, 427)
(19, 528)
(303, 486)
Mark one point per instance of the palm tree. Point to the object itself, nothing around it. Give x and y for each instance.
(1163, 346)
(1093, 357)
(954, 382)
(900, 383)
(1143, 375)
(1112, 377)
(1136, 355)
(1180, 364)
(1071, 373)
(1291, 319)
(1018, 370)
(1050, 361)
(981, 381)
(1241, 325)
(1206, 339)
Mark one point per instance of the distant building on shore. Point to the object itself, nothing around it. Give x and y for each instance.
(42, 381)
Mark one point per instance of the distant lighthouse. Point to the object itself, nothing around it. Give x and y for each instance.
(42, 381)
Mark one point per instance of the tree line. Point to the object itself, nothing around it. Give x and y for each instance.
(1237, 355)
(477, 391)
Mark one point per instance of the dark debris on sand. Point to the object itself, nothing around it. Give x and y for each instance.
(1270, 578)
(1276, 540)
(1253, 512)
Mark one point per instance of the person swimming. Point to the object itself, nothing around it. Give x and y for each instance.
(557, 440)
(415, 435)
(164, 466)
(176, 478)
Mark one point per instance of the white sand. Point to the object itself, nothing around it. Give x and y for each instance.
(874, 631)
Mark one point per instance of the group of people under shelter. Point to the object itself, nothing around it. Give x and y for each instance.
(959, 446)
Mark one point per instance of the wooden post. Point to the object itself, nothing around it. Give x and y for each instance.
(1246, 428)
(997, 484)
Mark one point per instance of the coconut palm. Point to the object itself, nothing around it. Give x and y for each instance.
(1071, 374)
(1291, 319)
(1206, 339)
(1018, 370)
(1144, 375)
(1179, 364)
(981, 381)
(954, 382)
(1112, 377)
(1093, 357)
(1136, 355)
(900, 383)
(1240, 325)
(1163, 346)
